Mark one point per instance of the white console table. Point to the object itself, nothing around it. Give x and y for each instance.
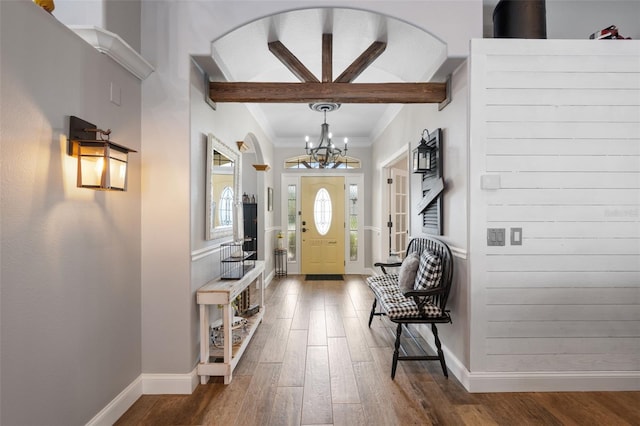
(222, 361)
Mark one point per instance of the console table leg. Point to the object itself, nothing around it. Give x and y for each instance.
(204, 339)
(227, 321)
(227, 312)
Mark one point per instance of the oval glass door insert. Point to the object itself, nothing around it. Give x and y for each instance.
(322, 211)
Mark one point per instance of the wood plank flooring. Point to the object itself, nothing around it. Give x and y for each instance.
(314, 360)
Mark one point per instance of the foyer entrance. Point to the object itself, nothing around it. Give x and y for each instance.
(322, 224)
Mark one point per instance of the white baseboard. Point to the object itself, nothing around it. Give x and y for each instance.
(566, 381)
(120, 404)
(543, 381)
(176, 384)
(145, 384)
(269, 278)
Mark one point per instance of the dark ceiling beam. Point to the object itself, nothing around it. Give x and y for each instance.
(362, 62)
(363, 93)
(327, 58)
(291, 62)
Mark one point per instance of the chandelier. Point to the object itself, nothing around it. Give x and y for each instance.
(325, 154)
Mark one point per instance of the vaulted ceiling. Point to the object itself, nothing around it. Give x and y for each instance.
(410, 55)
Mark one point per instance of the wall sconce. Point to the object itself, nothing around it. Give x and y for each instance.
(422, 155)
(102, 164)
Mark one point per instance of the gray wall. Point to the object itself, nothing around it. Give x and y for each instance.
(408, 126)
(70, 265)
(229, 123)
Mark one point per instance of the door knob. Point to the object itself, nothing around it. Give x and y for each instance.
(304, 229)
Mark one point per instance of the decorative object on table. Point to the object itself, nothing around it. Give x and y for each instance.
(234, 261)
(253, 309)
(520, 19)
(237, 322)
(243, 301)
(609, 33)
(280, 241)
(216, 331)
(46, 5)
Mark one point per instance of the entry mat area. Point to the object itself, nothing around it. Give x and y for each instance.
(324, 277)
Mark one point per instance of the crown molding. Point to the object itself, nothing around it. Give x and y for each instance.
(116, 48)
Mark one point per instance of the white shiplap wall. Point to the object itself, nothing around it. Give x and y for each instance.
(558, 121)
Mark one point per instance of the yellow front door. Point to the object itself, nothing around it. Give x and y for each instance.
(322, 225)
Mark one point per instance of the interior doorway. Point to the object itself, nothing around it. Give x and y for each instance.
(398, 206)
(322, 224)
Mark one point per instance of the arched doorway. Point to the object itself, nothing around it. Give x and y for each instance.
(268, 49)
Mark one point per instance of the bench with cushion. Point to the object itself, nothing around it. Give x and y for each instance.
(417, 294)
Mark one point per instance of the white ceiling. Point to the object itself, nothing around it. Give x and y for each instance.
(412, 55)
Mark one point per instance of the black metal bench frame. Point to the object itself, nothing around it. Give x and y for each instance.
(437, 296)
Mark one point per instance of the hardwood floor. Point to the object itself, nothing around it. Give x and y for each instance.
(314, 360)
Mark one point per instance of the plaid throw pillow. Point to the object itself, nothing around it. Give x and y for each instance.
(429, 272)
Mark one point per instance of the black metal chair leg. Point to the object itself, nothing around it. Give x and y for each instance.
(373, 310)
(396, 352)
(434, 329)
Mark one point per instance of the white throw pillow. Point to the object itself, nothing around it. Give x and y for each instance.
(408, 271)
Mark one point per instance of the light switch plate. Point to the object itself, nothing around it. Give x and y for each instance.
(495, 236)
(114, 94)
(516, 236)
(490, 182)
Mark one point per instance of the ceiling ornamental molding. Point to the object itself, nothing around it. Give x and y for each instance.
(340, 90)
(116, 48)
